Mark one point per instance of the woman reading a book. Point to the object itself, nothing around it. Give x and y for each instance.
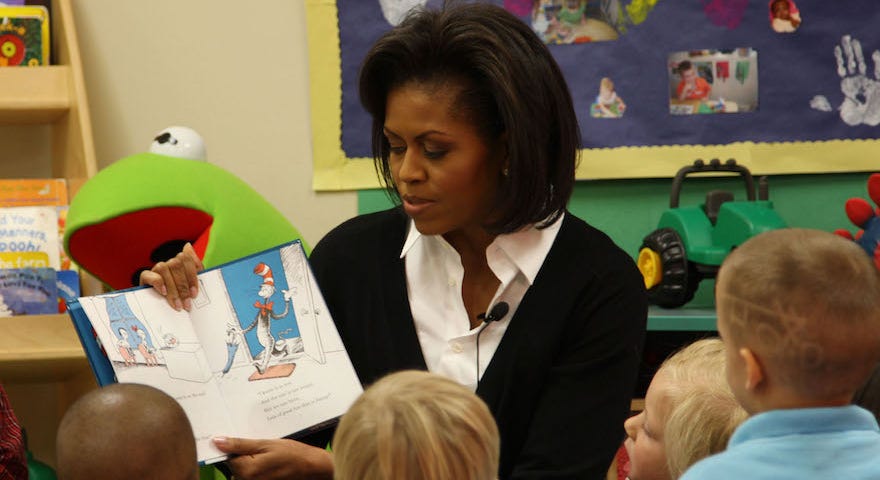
(479, 273)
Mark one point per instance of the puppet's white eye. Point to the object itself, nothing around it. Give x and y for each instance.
(182, 142)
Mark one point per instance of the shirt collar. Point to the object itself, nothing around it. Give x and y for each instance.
(412, 237)
(775, 423)
(526, 248)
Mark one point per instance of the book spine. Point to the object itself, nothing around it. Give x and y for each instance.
(98, 360)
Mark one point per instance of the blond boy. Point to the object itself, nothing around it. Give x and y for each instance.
(125, 431)
(799, 313)
(689, 414)
(415, 424)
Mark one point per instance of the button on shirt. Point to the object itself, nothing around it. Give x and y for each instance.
(434, 275)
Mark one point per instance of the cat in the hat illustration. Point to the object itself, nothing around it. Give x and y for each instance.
(265, 315)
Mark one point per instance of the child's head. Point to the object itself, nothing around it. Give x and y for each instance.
(689, 414)
(606, 85)
(687, 71)
(781, 9)
(126, 430)
(415, 424)
(799, 312)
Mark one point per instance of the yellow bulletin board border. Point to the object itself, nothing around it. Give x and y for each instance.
(333, 170)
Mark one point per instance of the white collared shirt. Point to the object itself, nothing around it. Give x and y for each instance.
(433, 279)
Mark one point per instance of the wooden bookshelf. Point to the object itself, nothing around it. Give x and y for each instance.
(44, 121)
(39, 348)
(33, 95)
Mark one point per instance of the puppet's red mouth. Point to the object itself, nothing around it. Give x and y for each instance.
(118, 249)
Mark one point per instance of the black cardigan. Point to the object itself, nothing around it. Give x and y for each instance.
(561, 380)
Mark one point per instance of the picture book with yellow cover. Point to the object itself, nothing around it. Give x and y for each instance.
(24, 36)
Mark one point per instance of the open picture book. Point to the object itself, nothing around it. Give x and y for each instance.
(257, 356)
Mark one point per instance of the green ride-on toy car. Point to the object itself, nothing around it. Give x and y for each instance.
(691, 241)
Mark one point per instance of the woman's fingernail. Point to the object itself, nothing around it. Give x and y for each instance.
(220, 441)
(194, 292)
(177, 304)
(163, 290)
(187, 304)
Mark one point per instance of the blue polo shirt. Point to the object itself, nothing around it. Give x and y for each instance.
(809, 443)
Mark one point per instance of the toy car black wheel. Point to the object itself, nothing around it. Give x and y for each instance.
(670, 279)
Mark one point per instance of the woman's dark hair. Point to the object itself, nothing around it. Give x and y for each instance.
(511, 85)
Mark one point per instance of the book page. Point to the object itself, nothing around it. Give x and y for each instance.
(273, 348)
(258, 355)
(149, 342)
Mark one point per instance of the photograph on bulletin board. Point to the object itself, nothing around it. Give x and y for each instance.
(782, 86)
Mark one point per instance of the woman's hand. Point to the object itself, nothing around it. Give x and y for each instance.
(176, 278)
(275, 459)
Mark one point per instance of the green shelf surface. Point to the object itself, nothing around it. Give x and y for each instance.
(681, 319)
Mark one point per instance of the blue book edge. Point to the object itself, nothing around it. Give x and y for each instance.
(98, 360)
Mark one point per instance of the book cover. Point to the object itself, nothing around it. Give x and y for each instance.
(64, 261)
(20, 192)
(31, 229)
(257, 356)
(24, 260)
(24, 36)
(68, 288)
(27, 291)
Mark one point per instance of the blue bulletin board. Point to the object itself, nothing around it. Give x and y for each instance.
(792, 92)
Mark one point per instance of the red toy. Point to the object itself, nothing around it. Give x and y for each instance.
(863, 215)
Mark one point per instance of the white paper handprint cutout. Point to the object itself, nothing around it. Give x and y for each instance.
(395, 10)
(861, 103)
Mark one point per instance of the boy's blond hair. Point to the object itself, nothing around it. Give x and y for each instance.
(126, 430)
(807, 302)
(702, 412)
(415, 424)
(607, 83)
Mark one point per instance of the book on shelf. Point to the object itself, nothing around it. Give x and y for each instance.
(20, 192)
(68, 288)
(28, 291)
(23, 205)
(256, 356)
(25, 230)
(24, 36)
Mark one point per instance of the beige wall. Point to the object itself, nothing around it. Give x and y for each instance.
(235, 71)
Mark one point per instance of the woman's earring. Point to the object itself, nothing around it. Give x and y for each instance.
(505, 171)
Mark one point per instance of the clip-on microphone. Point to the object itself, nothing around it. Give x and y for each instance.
(496, 313)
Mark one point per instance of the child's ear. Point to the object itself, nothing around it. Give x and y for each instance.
(753, 367)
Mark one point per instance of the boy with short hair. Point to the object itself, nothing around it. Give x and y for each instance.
(799, 313)
(691, 86)
(123, 431)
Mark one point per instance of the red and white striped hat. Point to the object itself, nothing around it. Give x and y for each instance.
(264, 271)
